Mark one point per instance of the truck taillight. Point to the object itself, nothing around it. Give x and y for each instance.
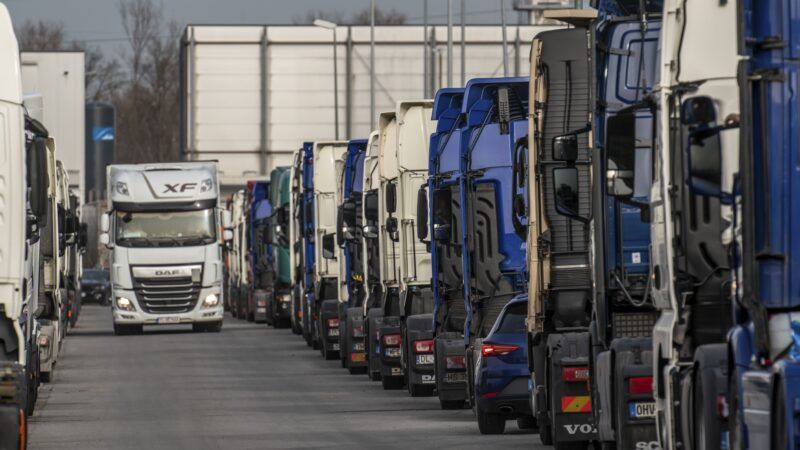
(391, 339)
(575, 374)
(497, 349)
(455, 362)
(358, 332)
(333, 323)
(640, 385)
(423, 346)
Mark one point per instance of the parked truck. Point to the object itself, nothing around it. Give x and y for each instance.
(238, 274)
(166, 260)
(307, 211)
(25, 207)
(296, 261)
(279, 303)
(351, 274)
(445, 230)
(328, 167)
(259, 250)
(373, 267)
(415, 125)
(696, 155)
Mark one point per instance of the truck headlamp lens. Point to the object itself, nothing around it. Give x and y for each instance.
(122, 188)
(210, 301)
(206, 185)
(125, 304)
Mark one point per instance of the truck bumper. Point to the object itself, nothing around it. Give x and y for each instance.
(197, 315)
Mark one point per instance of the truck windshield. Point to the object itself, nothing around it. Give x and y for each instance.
(165, 229)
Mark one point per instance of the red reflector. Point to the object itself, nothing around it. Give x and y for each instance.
(576, 404)
(333, 323)
(391, 339)
(455, 362)
(313, 317)
(640, 385)
(575, 374)
(423, 346)
(722, 406)
(358, 357)
(489, 395)
(497, 349)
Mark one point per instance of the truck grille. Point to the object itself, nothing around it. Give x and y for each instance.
(166, 296)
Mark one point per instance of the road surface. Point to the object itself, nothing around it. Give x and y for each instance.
(248, 387)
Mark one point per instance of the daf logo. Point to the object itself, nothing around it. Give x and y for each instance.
(178, 187)
(579, 428)
(167, 273)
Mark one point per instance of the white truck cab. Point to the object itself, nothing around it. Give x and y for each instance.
(166, 257)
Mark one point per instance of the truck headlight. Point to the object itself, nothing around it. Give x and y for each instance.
(210, 301)
(125, 304)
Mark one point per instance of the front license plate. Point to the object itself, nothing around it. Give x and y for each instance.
(456, 377)
(168, 320)
(358, 346)
(642, 410)
(424, 359)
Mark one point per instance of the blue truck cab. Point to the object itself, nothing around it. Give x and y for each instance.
(306, 210)
(349, 229)
(445, 230)
(493, 138)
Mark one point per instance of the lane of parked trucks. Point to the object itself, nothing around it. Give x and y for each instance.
(603, 251)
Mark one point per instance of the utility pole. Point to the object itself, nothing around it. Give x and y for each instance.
(449, 43)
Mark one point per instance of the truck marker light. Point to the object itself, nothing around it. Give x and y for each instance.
(576, 404)
(333, 323)
(640, 385)
(391, 339)
(455, 362)
(489, 395)
(575, 374)
(210, 301)
(423, 346)
(497, 349)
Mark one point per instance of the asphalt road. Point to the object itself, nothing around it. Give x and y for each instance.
(248, 387)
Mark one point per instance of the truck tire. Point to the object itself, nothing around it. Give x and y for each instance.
(392, 383)
(526, 423)
(546, 433)
(451, 404)
(490, 423)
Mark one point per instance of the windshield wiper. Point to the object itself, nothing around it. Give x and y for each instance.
(164, 240)
(137, 241)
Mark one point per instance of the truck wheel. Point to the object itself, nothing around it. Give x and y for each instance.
(13, 419)
(215, 327)
(392, 383)
(546, 433)
(526, 423)
(490, 423)
(451, 404)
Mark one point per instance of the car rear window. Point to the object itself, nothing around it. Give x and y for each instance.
(513, 320)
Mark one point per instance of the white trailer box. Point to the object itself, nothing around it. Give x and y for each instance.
(250, 95)
(59, 78)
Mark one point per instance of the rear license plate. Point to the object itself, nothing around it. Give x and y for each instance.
(333, 332)
(358, 346)
(424, 359)
(335, 346)
(168, 320)
(642, 410)
(456, 377)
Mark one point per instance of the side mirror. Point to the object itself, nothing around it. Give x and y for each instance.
(104, 223)
(620, 154)
(705, 162)
(422, 213)
(104, 240)
(227, 220)
(565, 148)
(566, 191)
(227, 235)
(328, 246)
(38, 181)
(442, 214)
(371, 206)
(391, 198)
(83, 235)
(349, 220)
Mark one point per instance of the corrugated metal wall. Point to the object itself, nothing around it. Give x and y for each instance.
(224, 90)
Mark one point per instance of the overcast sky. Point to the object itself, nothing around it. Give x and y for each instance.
(97, 21)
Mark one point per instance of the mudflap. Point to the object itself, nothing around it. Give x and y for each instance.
(13, 423)
(450, 344)
(374, 320)
(261, 299)
(419, 327)
(355, 321)
(329, 309)
(702, 386)
(570, 402)
(46, 353)
(390, 366)
(632, 358)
